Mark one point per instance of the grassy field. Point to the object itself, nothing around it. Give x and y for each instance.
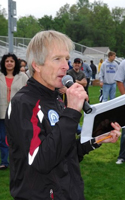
(103, 179)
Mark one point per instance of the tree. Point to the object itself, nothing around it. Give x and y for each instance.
(3, 12)
(46, 22)
(90, 24)
(63, 10)
(83, 3)
(103, 25)
(73, 12)
(3, 22)
(62, 18)
(79, 27)
(118, 15)
(120, 45)
(27, 27)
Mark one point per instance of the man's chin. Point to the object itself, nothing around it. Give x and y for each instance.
(60, 85)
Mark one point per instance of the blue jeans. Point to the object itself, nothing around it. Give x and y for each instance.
(122, 145)
(3, 147)
(93, 76)
(109, 91)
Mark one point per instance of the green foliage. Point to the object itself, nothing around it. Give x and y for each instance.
(102, 20)
(63, 10)
(27, 27)
(3, 22)
(94, 92)
(82, 3)
(46, 22)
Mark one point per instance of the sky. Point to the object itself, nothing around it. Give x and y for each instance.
(39, 8)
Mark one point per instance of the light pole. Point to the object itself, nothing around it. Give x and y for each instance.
(12, 23)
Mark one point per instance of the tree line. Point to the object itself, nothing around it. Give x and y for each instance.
(90, 24)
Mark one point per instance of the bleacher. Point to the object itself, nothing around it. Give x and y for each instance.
(20, 45)
(81, 51)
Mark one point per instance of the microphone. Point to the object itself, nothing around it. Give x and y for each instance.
(67, 81)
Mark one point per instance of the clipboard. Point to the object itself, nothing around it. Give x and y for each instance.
(98, 122)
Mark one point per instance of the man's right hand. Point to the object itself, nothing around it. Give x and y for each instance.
(76, 95)
(101, 84)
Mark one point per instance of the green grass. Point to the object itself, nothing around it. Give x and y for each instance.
(103, 179)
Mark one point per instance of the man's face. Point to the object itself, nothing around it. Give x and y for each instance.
(54, 68)
(111, 58)
(76, 66)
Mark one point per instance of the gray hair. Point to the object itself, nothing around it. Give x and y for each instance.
(39, 45)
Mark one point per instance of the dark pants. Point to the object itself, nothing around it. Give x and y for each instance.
(3, 146)
(122, 145)
(93, 76)
(87, 86)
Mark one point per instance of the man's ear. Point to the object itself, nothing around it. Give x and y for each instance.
(35, 67)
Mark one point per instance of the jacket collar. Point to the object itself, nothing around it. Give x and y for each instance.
(38, 87)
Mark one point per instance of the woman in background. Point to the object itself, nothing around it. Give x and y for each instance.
(99, 65)
(11, 80)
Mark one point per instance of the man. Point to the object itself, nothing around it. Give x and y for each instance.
(44, 154)
(106, 76)
(120, 78)
(94, 69)
(88, 74)
(77, 75)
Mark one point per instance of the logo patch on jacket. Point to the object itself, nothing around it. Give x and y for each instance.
(53, 117)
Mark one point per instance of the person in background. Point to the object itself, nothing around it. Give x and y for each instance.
(101, 89)
(94, 69)
(88, 74)
(23, 63)
(44, 152)
(107, 73)
(120, 78)
(22, 69)
(70, 65)
(11, 80)
(99, 65)
(77, 75)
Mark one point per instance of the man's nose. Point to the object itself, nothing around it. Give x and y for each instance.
(65, 65)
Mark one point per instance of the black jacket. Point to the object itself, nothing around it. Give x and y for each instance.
(44, 154)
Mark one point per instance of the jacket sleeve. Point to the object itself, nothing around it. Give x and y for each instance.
(27, 135)
(85, 148)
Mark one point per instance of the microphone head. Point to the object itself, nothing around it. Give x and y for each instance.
(67, 80)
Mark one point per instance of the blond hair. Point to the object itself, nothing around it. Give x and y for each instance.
(40, 44)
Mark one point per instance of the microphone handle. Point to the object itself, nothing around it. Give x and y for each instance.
(86, 107)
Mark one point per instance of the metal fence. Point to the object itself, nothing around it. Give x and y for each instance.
(20, 45)
(16, 40)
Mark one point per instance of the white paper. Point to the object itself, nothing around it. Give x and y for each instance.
(88, 120)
